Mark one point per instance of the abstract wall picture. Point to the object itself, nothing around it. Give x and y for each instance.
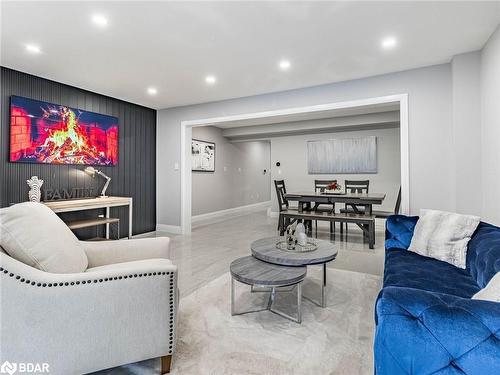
(350, 155)
(203, 156)
(42, 132)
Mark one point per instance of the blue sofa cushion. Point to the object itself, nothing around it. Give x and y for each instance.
(483, 254)
(399, 231)
(407, 269)
(420, 332)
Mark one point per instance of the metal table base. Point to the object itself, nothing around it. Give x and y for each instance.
(322, 301)
(273, 290)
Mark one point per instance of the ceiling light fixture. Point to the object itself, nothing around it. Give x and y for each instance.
(152, 91)
(33, 48)
(389, 42)
(100, 20)
(210, 79)
(285, 65)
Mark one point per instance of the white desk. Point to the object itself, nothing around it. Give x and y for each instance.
(91, 204)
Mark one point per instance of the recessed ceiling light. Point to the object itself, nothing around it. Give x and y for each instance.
(285, 64)
(210, 79)
(33, 48)
(100, 20)
(389, 42)
(152, 91)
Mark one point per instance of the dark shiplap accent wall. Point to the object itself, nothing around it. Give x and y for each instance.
(135, 174)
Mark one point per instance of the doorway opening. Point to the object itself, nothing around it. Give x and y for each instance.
(321, 111)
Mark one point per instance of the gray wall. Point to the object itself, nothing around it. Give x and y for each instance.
(490, 116)
(291, 152)
(134, 176)
(467, 131)
(432, 156)
(238, 179)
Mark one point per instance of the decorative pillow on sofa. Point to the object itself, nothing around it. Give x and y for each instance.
(491, 292)
(31, 233)
(443, 236)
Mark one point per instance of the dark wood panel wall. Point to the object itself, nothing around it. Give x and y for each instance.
(135, 174)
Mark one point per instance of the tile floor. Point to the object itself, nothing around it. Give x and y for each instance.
(206, 253)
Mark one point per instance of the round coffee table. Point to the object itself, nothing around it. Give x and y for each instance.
(251, 271)
(265, 250)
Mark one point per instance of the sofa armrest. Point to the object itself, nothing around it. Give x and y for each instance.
(84, 322)
(399, 231)
(100, 253)
(420, 332)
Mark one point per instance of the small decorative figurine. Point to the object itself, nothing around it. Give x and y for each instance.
(291, 240)
(35, 184)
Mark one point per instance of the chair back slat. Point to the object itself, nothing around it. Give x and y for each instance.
(321, 185)
(398, 203)
(357, 186)
(280, 193)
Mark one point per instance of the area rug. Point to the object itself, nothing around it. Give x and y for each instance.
(337, 339)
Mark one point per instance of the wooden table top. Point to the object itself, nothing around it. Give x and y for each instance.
(360, 196)
(265, 249)
(86, 203)
(252, 271)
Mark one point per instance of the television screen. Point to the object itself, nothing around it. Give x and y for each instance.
(42, 132)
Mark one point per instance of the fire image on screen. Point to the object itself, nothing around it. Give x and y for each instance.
(42, 132)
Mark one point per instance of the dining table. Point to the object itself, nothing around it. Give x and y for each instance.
(361, 204)
(354, 200)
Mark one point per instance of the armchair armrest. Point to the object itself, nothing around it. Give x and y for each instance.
(100, 253)
(399, 231)
(420, 332)
(111, 315)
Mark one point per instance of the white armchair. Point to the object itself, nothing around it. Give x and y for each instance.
(121, 310)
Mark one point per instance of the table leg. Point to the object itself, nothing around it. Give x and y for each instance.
(107, 225)
(130, 220)
(323, 287)
(372, 234)
(299, 302)
(232, 295)
(320, 301)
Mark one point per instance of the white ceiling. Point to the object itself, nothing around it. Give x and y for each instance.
(174, 45)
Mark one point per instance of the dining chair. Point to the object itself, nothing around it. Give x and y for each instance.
(386, 214)
(282, 201)
(280, 194)
(354, 186)
(319, 187)
(283, 204)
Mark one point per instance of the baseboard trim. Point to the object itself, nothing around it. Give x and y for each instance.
(273, 213)
(221, 215)
(174, 229)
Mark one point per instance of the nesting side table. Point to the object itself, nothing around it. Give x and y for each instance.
(251, 271)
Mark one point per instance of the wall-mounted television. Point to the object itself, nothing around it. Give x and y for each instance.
(49, 133)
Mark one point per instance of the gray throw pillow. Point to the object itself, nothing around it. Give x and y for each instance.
(491, 292)
(33, 234)
(443, 235)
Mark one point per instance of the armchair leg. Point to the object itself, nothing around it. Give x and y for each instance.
(166, 360)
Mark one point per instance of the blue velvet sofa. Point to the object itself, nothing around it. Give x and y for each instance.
(426, 322)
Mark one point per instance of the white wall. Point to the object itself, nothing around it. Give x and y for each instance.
(291, 152)
(238, 179)
(490, 124)
(430, 131)
(467, 132)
